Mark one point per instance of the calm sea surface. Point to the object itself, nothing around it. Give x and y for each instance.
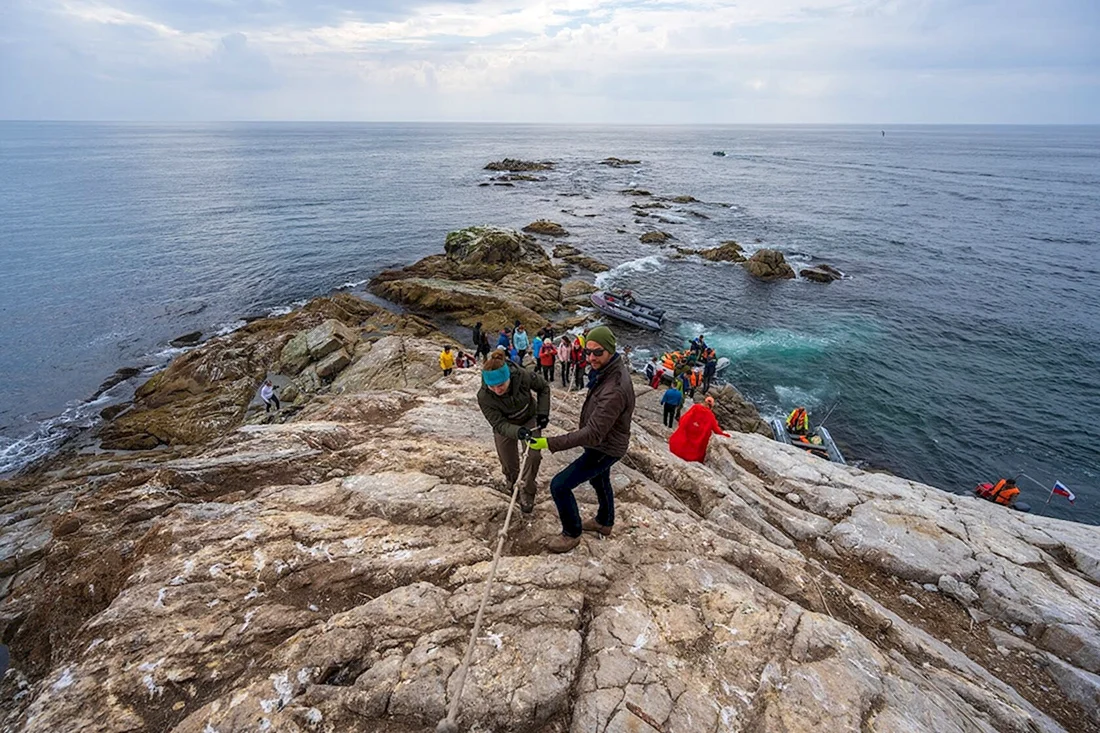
(964, 343)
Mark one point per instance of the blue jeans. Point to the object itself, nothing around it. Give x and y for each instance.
(594, 467)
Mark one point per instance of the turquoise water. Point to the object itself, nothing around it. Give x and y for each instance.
(964, 342)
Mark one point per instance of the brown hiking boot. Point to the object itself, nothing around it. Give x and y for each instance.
(526, 503)
(591, 525)
(562, 543)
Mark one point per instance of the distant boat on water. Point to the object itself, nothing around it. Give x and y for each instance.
(719, 153)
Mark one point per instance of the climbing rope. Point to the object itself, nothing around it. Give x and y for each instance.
(448, 724)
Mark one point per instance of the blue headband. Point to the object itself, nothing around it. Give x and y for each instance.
(497, 376)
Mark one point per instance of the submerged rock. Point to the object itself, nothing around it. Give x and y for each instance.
(187, 339)
(768, 264)
(549, 228)
(655, 237)
(821, 273)
(512, 165)
(618, 162)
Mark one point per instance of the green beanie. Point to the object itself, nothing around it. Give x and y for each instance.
(602, 335)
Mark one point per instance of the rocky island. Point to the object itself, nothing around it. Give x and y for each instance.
(206, 568)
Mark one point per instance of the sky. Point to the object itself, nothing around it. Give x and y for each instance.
(566, 61)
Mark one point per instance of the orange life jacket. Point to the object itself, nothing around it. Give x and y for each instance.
(798, 421)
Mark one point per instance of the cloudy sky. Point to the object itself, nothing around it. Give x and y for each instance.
(621, 61)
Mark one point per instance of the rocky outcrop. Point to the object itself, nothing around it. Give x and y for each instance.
(655, 237)
(618, 162)
(684, 200)
(323, 574)
(821, 273)
(187, 339)
(487, 274)
(725, 252)
(513, 165)
(768, 264)
(546, 227)
(635, 192)
(574, 256)
(206, 392)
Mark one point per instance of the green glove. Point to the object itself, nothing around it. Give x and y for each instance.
(537, 444)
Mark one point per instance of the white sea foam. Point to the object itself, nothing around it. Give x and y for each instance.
(352, 284)
(651, 263)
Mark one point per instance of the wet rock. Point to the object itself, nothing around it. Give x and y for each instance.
(188, 339)
(513, 165)
(495, 276)
(725, 252)
(820, 274)
(655, 237)
(683, 199)
(546, 227)
(573, 256)
(618, 162)
(734, 412)
(635, 192)
(577, 288)
(112, 411)
(117, 378)
(768, 264)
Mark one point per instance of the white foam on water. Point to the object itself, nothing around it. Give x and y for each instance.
(774, 342)
(798, 396)
(650, 263)
(352, 284)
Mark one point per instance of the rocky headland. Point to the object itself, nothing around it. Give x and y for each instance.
(212, 568)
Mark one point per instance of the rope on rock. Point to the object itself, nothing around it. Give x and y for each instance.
(448, 724)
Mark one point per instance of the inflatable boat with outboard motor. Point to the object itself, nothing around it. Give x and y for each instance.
(622, 305)
(796, 431)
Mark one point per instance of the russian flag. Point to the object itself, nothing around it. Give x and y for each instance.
(1061, 490)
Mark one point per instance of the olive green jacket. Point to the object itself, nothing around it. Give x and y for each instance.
(508, 412)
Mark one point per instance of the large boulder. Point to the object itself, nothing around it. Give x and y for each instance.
(487, 274)
(725, 252)
(734, 412)
(768, 264)
(821, 273)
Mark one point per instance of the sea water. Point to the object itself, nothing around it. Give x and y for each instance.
(962, 345)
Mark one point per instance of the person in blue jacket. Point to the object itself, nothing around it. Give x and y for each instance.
(521, 342)
(671, 399)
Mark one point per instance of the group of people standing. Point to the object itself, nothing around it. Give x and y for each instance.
(516, 403)
(551, 355)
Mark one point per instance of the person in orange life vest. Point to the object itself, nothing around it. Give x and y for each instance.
(547, 354)
(1004, 492)
(798, 422)
(692, 436)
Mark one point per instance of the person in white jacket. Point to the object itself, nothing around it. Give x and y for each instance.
(565, 358)
(267, 394)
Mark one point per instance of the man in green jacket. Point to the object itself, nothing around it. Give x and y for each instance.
(604, 433)
(505, 398)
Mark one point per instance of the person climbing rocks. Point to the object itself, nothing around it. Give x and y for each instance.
(579, 361)
(692, 436)
(475, 334)
(671, 399)
(603, 432)
(547, 354)
(506, 401)
(710, 368)
(565, 359)
(482, 346)
(447, 361)
(650, 370)
(267, 394)
(521, 343)
(536, 350)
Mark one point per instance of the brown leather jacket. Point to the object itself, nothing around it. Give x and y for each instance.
(606, 415)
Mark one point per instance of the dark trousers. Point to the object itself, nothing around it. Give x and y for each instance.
(520, 353)
(670, 415)
(565, 374)
(273, 402)
(706, 382)
(482, 350)
(548, 372)
(578, 376)
(594, 467)
(447, 372)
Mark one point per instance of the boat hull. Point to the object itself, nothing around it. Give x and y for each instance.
(827, 446)
(641, 316)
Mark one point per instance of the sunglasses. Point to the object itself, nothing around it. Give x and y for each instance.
(595, 352)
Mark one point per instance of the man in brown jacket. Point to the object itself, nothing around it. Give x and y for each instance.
(604, 433)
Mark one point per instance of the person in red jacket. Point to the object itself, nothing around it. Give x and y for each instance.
(692, 436)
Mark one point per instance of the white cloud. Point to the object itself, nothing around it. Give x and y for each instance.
(827, 60)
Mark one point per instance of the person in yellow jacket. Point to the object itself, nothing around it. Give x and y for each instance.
(447, 361)
(798, 422)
